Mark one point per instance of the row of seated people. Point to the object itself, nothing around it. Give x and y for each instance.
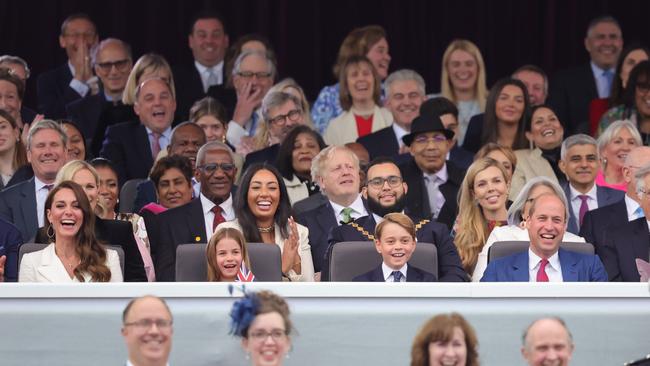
(241, 77)
(336, 170)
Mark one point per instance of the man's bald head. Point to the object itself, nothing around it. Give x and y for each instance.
(547, 341)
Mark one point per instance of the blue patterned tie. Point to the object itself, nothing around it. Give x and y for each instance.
(397, 276)
(639, 212)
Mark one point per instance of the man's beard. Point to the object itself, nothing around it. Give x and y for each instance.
(379, 210)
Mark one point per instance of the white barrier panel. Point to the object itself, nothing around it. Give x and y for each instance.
(337, 323)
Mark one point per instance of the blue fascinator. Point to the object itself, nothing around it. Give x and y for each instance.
(243, 311)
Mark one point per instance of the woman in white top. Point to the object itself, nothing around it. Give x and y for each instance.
(263, 213)
(517, 215)
(74, 255)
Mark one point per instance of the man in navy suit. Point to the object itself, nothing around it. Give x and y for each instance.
(194, 222)
(208, 40)
(405, 93)
(395, 241)
(545, 261)
(133, 146)
(23, 204)
(385, 193)
(580, 163)
(70, 81)
(623, 244)
(336, 171)
(571, 91)
(10, 241)
(597, 222)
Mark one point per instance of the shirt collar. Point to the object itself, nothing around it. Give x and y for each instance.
(207, 205)
(592, 193)
(38, 184)
(166, 133)
(388, 271)
(553, 261)
(203, 69)
(399, 133)
(631, 205)
(440, 174)
(598, 71)
(357, 206)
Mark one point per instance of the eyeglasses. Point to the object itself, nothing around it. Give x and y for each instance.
(293, 116)
(424, 139)
(212, 167)
(145, 324)
(250, 74)
(276, 334)
(393, 181)
(120, 65)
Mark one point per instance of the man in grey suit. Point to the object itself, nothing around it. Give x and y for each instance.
(580, 163)
(23, 204)
(147, 330)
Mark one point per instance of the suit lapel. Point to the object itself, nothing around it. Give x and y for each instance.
(568, 264)
(50, 267)
(29, 207)
(143, 146)
(377, 275)
(640, 240)
(412, 275)
(326, 218)
(520, 267)
(573, 223)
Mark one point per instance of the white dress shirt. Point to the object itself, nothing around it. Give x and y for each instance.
(553, 268)
(576, 202)
(432, 182)
(204, 72)
(358, 210)
(227, 212)
(602, 84)
(388, 272)
(631, 206)
(41, 196)
(399, 133)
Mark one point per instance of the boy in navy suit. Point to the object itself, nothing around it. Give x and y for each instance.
(395, 241)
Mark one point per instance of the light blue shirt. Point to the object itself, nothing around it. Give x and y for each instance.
(603, 84)
(388, 272)
(80, 87)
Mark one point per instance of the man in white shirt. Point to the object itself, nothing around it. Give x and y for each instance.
(547, 341)
(147, 328)
(580, 162)
(23, 204)
(545, 261)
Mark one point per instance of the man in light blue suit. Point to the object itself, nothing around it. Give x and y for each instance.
(580, 163)
(545, 261)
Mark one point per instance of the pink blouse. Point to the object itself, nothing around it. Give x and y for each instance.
(600, 181)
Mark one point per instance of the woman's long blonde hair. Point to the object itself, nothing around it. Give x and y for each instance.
(471, 232)
(480, 89)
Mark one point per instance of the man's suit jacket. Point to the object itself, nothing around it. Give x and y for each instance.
(86, 112)
(119, 233)
(308, 204)
(413, 274)
(44, 266)
(570, 93)
(265, 155)
(576, 267)
(417, 198)
(10, 240)
(319, 221)
(18, 206)
(623, 244)
(381, 143)
(189, 89)
(127, 146)
(54, 92)
(474, 135)
(179, 225)
(450, 268)
(23, 173)
(605, 197)
(596, 223)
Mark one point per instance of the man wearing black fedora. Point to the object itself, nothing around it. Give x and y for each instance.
(433, 181)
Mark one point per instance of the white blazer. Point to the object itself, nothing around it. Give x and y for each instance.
(45, 266)
(343, 129)
(505, 233)
(296, 189)
(304, 250)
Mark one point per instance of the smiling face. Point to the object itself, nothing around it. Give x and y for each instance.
(490, 189)
(305, 147)
(604, 42)
(148, 346)
(581, 165)
(76, 146)
(272, 349)
(229, 257)
(360, 81)
(213, 128)
(113, 66)
(539, 190)
(174, 189)
(463, 70)
(208, 41)
(78, 33)
(451, 352)
(155, 105)
(10, 100)
(46, 154)
(256, 64)
(216, 186)
(108, 188)
(340, 176)
(65, 214)
(546, 132)
(395, 245)
(384, 196)
(642, 96)
(429, 149)
(628, 64)
(186, 142)
(547, 343)
(546, 225)
(617, 149)
(8, 136)
(380, 58)
(510, 104)
(404, 101)
(263, 195)
(87, 181)
(279, 127)
(535, 84)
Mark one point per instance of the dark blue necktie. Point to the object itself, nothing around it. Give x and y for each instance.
(397, 276)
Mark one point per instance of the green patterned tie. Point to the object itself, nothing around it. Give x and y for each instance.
(347, 218)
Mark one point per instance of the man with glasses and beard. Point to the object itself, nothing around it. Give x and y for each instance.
(385, 192)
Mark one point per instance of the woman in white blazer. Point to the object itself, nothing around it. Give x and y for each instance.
(74, 255)
(262, 212)
(360, 99)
